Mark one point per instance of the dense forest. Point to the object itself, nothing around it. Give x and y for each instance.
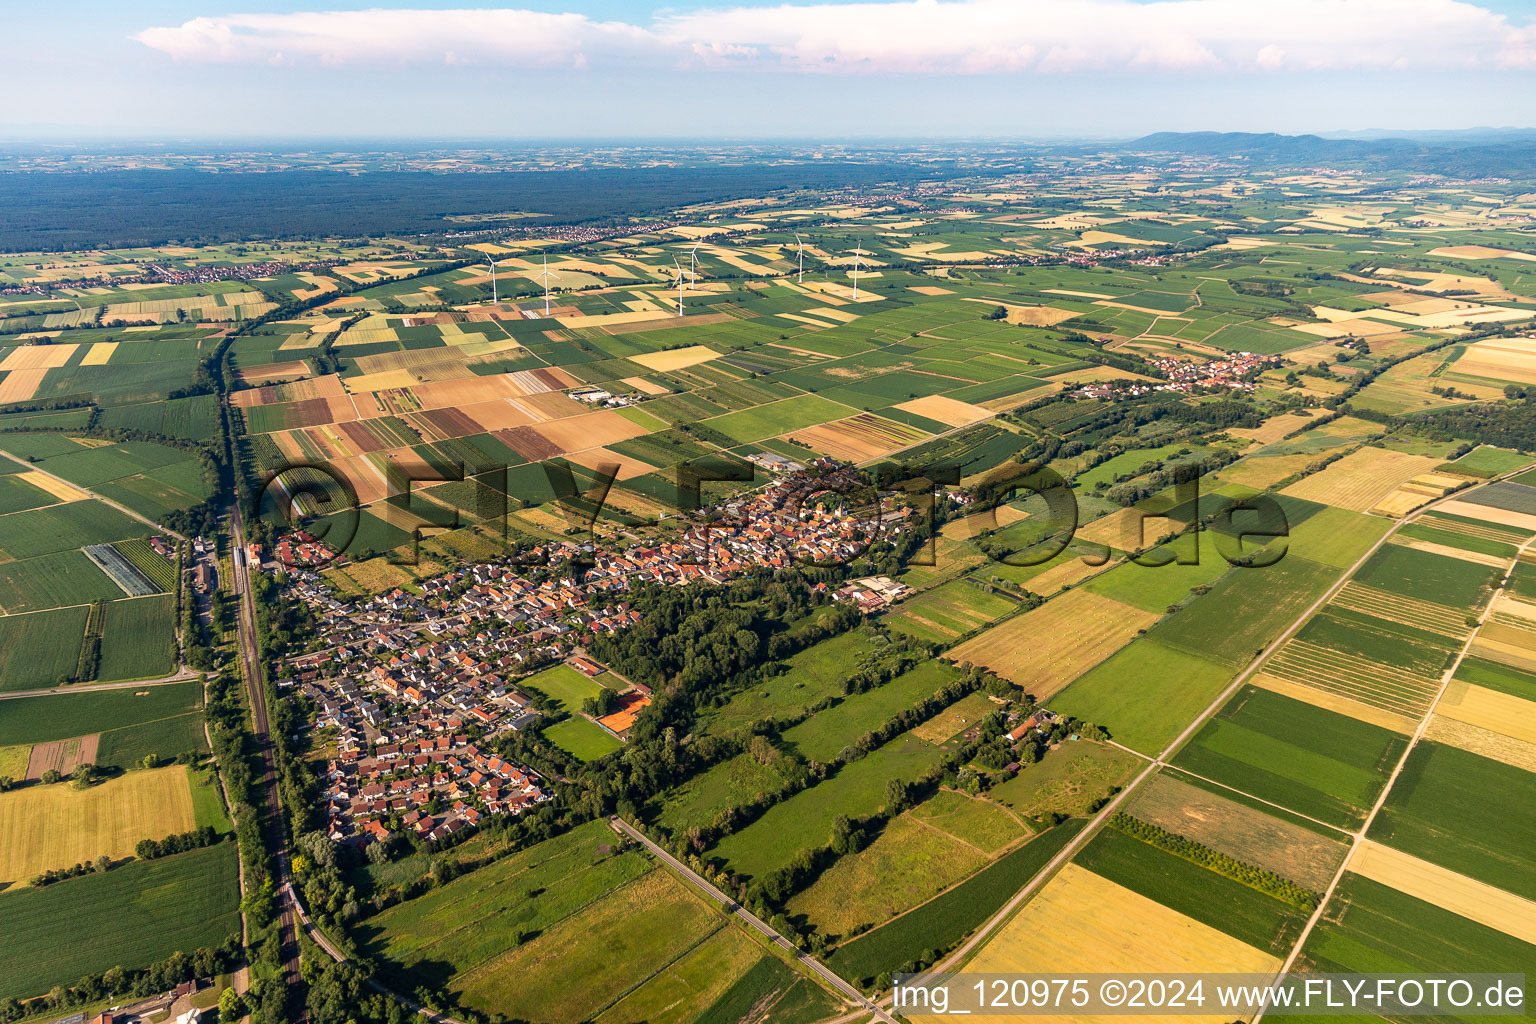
(56, 211)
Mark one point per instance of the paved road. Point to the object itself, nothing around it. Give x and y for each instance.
(124, 509)
(272, 820)
(752, 921)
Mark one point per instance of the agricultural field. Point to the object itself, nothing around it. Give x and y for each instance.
(58, 826)
(57, 717)
(1145, 694)
(1369, 926)
(1045, 649)
(39, 649)
(1083, 922)
(1244, 611)
(1305, 758)
(485, 939)
(1463, 812)
(1073, 781)
(949, 611)
(804, 821)
(141, 912)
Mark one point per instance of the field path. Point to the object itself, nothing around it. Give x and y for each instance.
(124, 509)
(181, 676)
(1075, 845)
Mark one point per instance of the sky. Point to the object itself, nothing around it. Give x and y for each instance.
(1011, 69)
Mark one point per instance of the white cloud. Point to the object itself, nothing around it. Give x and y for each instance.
(958, 37)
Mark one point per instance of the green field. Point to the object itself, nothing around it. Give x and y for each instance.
(140, 913)
(1310, 760)
(1241, 911)
(1245, 610)
(804, 821)
(944, 921)
(1072, 780)
(772, 986)
(1369, 927)
(778, 417)
(1486, 461)
(1497, 677)
(829, 731)
(1144, 694)
(138, 639)
(1468, 813)
(582, 738)
(39, 649)
(1423, 574)
(1335, 536)
(53, 581)
(166, 738)
(1154, 588)
(949, 611)
(813, 675)
(563, 685)
(907, 864)
(729, 784)
(58, 717)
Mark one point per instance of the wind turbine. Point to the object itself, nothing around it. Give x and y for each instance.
(693, 266)
(545, 278)
(679, 285)
(800, 273)
(859, 247)
(492, 262)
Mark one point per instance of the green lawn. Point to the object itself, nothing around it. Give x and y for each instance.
(564, 685)
(581, 738)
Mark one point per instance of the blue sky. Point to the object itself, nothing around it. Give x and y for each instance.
(816, 68)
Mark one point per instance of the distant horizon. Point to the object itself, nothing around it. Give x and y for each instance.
(68, 135)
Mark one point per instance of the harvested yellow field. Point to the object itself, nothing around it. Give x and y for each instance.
(1045, 649)
(1446, 889)
(929, 289)
(58, 488)
(1489, 709)
(1481, 252)
(948, 411)
(676, 359)
(1334, 702)
(1057, 577)
(1084, 923)
(1512, 359)
(1489, 514)
(57, 826)
(1127, 529)
(1483, 742)
(605, 459)
(20, 385)
(1362, 478)
(99, 353)
(37, 357)
(590, 430)
(1263, 473)
(1274, 428)
(644, 386)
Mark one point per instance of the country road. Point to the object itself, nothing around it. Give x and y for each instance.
(183, 675)
(752, 920)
